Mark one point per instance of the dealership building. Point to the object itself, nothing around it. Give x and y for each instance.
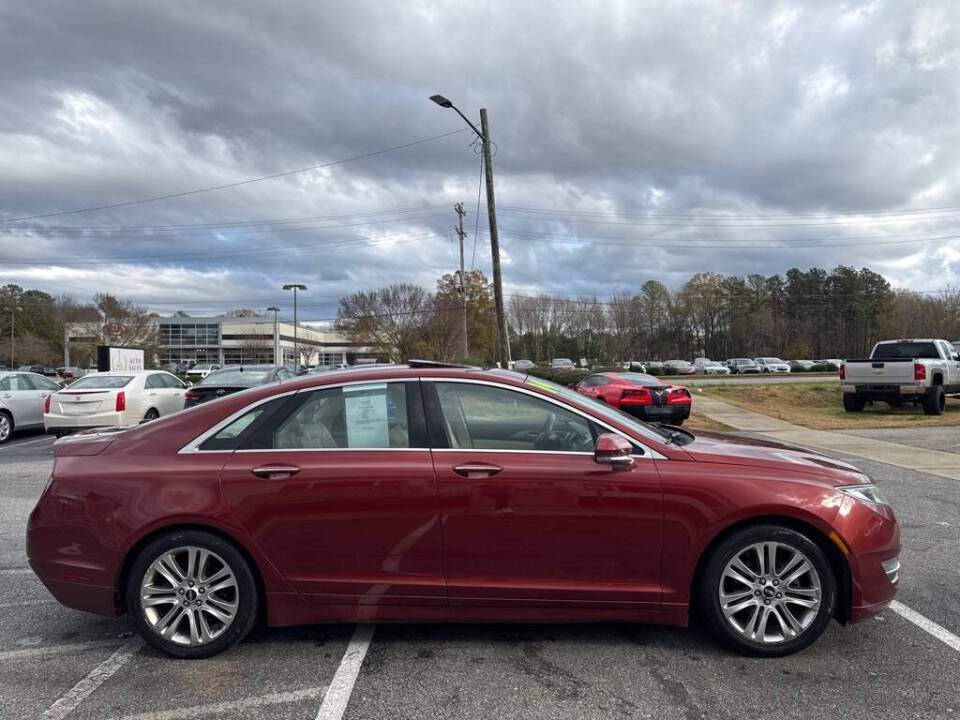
(235, 340)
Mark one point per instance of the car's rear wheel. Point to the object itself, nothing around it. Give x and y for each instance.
(852, 402)
(935, 401)
(6, 427)
(191, 594)
(151, 414)
(768, 591)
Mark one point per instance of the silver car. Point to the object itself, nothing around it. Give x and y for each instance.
(22, 398)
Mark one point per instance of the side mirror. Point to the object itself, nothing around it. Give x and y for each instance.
(613, 450)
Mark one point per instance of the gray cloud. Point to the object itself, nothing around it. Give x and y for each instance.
(682, 112)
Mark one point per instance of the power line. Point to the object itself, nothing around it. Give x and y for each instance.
(721, 216)
(224, 186)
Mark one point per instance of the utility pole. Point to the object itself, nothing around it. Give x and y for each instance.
(463, 283)
(776, 321)
(503, 337)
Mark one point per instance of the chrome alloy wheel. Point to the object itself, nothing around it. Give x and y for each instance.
(189, 596)
(4, 427)
(770, 592)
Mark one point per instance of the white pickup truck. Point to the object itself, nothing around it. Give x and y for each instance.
(922, 371)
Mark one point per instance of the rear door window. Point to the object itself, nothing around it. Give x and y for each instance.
(367, 416)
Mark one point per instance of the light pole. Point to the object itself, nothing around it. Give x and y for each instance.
(296, 347)
(276, 333)
(503, 338)
(13, 309)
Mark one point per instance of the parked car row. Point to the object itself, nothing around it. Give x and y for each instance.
(700, 365)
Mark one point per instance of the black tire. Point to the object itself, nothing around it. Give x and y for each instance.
(6, 418)
(246, 593)
(895, 402)
(151, 414)
(708, 592)
(934, 401)
(852, 402)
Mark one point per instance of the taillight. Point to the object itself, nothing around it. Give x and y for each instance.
(46, 405)
(636, 397)
(121, 401)
(843, 372)
(679, 396)
(191, 395)
(919, 371)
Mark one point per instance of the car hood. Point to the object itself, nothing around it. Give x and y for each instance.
(757, 452)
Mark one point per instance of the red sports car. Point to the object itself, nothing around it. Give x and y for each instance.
(424, 493)
(643, 396)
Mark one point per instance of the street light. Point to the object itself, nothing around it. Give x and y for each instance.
(503, 338)
(296, 347)
(276, 333)
(13, 309)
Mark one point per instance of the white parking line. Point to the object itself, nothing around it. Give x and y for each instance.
(338, 695)
(21, 443)
(938, 631)
(28, 653)
(15, 571)
(79, 692)
(249, 703)
(26, 603)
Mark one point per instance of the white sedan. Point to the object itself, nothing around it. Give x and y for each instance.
(113, 399)
(198, 372)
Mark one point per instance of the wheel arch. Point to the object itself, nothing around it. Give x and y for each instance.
(839, 565)
(123, 574)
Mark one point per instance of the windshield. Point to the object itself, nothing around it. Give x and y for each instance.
(907, 350)
(601, 409)
(245, 378)
(774, 361)
(101, 382)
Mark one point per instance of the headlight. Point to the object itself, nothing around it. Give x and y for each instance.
(866, 493)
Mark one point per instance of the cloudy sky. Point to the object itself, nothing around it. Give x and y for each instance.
(634, 140)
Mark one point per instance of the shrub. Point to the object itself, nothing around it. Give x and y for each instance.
(667, 370)
(655, 370)
(797, 368)
(561, 377)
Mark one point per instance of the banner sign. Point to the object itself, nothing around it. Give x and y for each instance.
(119, 359)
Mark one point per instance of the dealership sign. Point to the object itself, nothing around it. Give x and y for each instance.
(119, 359)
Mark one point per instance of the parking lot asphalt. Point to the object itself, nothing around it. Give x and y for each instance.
(57, 663)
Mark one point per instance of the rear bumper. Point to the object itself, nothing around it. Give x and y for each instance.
(81, 595)
(54, 422)
(881, 391)
(658, 413)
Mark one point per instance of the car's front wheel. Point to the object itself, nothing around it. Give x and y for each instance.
(768, 591)
(191, 594)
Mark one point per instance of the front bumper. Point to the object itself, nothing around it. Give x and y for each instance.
(872, 536)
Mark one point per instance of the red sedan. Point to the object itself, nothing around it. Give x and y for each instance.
(643, 396)
(423, 493)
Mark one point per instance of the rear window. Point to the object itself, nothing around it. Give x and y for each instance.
(101, 382)
(908, 350)
(639, 379)
(243, 378)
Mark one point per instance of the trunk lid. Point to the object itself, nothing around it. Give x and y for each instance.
(85, 402)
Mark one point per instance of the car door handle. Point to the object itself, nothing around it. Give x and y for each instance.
(477, 470)
(275, 472)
